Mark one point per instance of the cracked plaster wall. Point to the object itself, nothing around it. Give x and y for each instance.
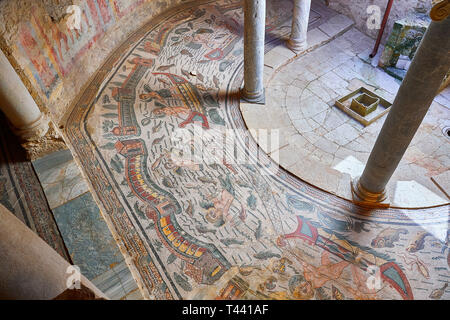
(54, 61)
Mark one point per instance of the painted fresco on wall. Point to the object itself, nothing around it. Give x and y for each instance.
(51, 48)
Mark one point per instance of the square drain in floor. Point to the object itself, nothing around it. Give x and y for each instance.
(364, 106)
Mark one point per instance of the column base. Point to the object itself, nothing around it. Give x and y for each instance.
(33, 131)
(257, 99)
(296, 46)
(365, 198)
(38, 147)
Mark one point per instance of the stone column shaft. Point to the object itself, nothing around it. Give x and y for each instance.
(300, 19)
(417, 91)
(18, 105)
(254, 33)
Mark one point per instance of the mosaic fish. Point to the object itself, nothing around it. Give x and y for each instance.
(179, 171)
(243, 184)
(203, 229)
(242, 213)
(251, 202)
(258, 231)
(110, 115)
(207, 180)
(231, 241)
(138, 210)
(108, 146)
(157, 163)
(191, 186)
(182, 281)
(189, 209)
(216, 81)
(418, 243)
(347, 225)
(185, 73)
(220, 36)
(157, 140)
(217, 119)
(436, 294)
(158, 245)
(166, 182)
(164, 82)
(246, 270)
(186, 53)
(110, 106)
(264, 255)
(249, 167)
(116, 164)
(164, 68)
(226, 184)
(298, 204)
(224, 65)
(171, 258)
(156, 128)
(387, 237)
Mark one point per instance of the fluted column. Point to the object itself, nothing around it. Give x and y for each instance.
(17, 104)
(300, 18)
(254, 32)
(417, 91)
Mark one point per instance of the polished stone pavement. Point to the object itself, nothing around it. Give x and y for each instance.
(323, 145)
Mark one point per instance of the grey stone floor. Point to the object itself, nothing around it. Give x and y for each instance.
(324, 146)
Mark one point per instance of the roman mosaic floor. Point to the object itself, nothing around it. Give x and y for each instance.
(146, 221)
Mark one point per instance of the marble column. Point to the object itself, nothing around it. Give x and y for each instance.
(417, 91)
(300, 19)
(254, 33)
(29, 268)
(17, 104)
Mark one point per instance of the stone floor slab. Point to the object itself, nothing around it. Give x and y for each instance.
(315, 80)
(60, 178)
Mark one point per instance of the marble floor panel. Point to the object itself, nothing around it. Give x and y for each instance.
(21, 193)
(338, 141)
(60, 177)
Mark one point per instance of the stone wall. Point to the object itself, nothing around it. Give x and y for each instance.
(357, 11)
(54, 59)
